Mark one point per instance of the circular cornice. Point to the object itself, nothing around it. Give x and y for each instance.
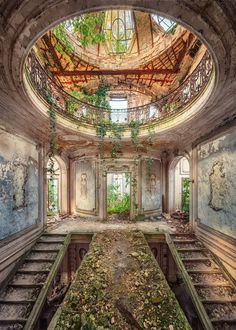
(25, 23)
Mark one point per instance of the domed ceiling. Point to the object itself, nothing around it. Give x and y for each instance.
(135, 52)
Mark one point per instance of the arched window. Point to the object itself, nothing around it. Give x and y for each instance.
(179, 185)
(57, 188)
(53, 184)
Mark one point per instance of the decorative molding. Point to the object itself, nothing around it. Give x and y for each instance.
(227, 125)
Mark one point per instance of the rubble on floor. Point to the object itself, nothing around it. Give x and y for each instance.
(119, 286)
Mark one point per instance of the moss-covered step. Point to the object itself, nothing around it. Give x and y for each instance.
(119, 286)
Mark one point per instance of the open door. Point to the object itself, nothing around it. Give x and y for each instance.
(118, 196)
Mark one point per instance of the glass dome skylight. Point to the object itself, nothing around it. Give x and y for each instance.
(166, 24)
(118, 28)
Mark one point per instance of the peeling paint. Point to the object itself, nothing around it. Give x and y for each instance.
(18, 185)
(217, 184)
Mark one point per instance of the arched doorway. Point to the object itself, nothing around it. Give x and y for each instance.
(179, 185)
(57, 188)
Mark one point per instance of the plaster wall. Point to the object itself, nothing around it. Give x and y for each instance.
(19, 184)
(151, 186)
(85, 186)
(217, 184)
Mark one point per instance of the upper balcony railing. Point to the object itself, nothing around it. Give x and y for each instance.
(77, 110)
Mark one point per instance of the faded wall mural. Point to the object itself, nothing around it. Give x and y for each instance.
(151, 186)
(217, 184)
(85, 185)
(18, 184)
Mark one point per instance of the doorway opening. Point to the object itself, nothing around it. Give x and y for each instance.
(118, 196)
(53, 185)
(179, 186)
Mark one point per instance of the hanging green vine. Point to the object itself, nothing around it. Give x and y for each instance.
(88, 27)
(52, 138)
(70, 104)
(135, 127)
(101, 131)
(117, 131)
(99, 97)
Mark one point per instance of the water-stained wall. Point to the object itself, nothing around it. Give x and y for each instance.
(85, 170)
(151, 185)
(19, 184)
(217, 184)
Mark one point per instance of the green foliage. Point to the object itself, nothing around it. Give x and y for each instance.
(98, 99)
(185, 195)
(87, 26)
(170, 107)
(71, 104)
(135, 126)
(52, 198)
(52, 137)
(117, 202)
(60, 33)
(117, 133)
(101, 131)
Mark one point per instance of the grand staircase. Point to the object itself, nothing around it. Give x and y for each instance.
(211, 288)
(22, 299)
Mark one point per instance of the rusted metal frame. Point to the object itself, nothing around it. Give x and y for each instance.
(181, 54)
(113, 72)
(48, 42)
(38, 75)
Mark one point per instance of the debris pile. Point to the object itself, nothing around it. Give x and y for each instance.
(119, 286)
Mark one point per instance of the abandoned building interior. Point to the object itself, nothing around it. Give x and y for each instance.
(118, 165)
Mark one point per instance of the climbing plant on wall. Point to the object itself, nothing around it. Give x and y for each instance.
(134, 126)
(51, 154)
(117, 131)
(52, 136)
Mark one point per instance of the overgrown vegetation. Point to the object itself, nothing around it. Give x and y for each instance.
(52, 136)
(52, 197)
(99, 97)
(185, 195)
(88, 27)
(52, 209)
(128, 292)
(116, 133)
(134, 126)
(117, 202)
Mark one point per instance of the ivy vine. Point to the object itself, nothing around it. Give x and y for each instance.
(135, 127)
(117, 131)
(52, 136)
(88, 27)
(99, 97)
